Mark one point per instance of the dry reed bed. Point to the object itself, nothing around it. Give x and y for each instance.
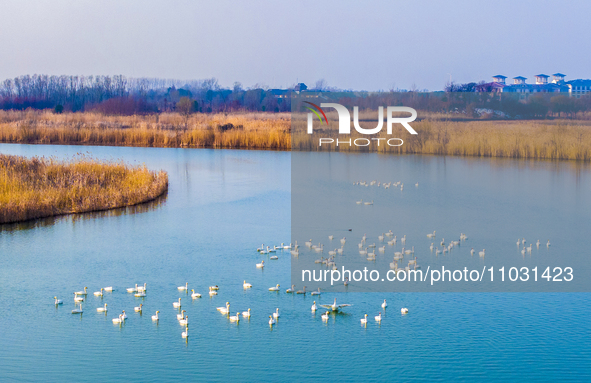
(533, 139)
(41, 187)
(555, 140)
(250, 130)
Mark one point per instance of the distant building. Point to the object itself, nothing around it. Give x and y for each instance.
(300, 87)
(557, 85)
(579, 88)
(280, 93)
(558, 78)
(499, 79)
(519, 80)
(541, 79)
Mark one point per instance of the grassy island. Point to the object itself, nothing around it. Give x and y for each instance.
(42, 187)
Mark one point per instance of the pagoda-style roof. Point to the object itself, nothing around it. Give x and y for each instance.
(519, 78)
(559, 75)
(499, 76)
(542, 75)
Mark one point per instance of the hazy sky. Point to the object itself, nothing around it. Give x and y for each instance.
(352, 44)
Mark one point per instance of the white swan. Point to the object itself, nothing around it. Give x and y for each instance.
(184, 288)
(431, 235)
(316, 292)
(381, 237)
(58, 301)
(102, 309)
(404, 310)
(382, 249)
(314, 306)
(140, 294)
(335, 307)
(246, 285)
(302, 291)
(291, 290)
(215, 288)
(548, 244)
(78, 310)
(132, 289)
(185, 334)
(472, 251)
(81, 292)
(325, 316)
(235, 318)
(276, 313)
(212, 292)
(378, 317)
(384, 305)
(155, 316)
(224, 310)
(340, 251)
(181, 315)
(119, 319)
(481, 253)
(177, 305)
(273, 257)
(359, 202)
(246, 314)
(141, 288)
(123, 315)
(271, 320)
(330, 237)
(368, 203)
(184, 321)
(98, 293)
(108, 289)
(364, 319)
(332, 252)
(276, 288)
(138, 309)
(194, 294)
(261, 265)
(78, 299)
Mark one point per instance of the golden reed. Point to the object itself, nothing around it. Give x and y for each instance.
(532, 139)
(41, 187)
(235, 131)
(554, 140)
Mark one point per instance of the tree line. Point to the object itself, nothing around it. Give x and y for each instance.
(118, 95)
(126, 96)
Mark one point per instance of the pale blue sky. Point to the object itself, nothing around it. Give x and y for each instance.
(352, 44)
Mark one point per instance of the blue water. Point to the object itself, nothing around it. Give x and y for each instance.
(221, 205)
(493, 201)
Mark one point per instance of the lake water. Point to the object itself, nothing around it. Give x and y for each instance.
(220, 207)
